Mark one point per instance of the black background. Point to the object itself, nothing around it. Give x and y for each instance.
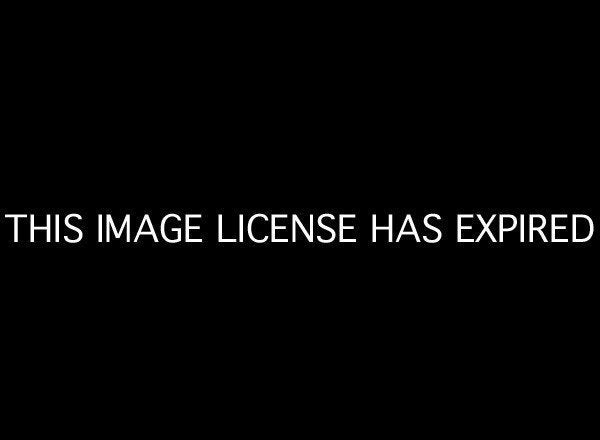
(386, 112)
